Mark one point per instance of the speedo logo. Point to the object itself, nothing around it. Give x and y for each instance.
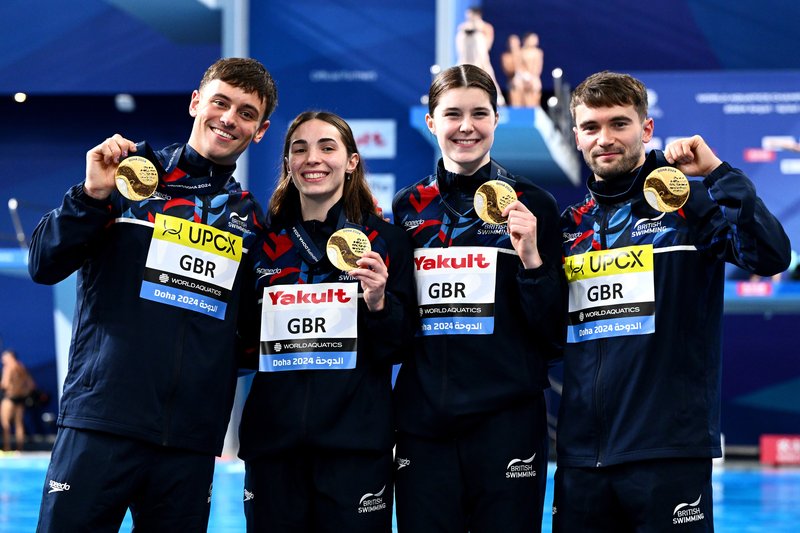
(268, 271)
(305, 297)
(402, 462)
(160, 196)
(372, 502)
(521, 468)
(438, 262)
(688, 512)
(410, 224)
(55, 486)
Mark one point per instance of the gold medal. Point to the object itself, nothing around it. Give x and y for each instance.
(491, 198)
(666, 189)
(136, 178)
(346, 246)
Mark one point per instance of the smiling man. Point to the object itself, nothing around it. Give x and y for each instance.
(152, 371)
(644, 258)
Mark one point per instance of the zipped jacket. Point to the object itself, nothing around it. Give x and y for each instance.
(465, 368)
(642, 361)
(326, 390)
(152, 351)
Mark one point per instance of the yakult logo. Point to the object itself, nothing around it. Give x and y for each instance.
(438, 262)
(302, 297)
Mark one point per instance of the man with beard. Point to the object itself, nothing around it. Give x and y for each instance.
(644, 257)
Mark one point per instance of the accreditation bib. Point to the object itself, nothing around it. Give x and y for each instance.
(191, 265)
(611, 293)
(456, 289)
(309, 327)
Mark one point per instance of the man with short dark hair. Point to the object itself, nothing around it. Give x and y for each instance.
(644, 257)
(152, 372)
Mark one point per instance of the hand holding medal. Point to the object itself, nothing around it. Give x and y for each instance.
(136, 178)
(670, 188)
(345, 247)
(348, 245)
(491, 199)
(666, 189)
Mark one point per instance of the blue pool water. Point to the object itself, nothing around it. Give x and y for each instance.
(747, 497)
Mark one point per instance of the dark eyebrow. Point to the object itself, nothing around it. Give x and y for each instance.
(478, 108)
(618, 118)
(247, 107)
(323, 140)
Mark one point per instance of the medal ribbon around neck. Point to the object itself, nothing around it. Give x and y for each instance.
(346, 233)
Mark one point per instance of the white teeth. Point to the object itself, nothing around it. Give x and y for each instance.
(222, 133)
(313, 175)
(465, 141)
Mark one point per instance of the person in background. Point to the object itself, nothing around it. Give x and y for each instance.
(522, 63)
(472, 442)
(644, 257)
(152, 372)
(337, 311)
(17, 385)
(532, 60)
(474, 40)
(511, 62)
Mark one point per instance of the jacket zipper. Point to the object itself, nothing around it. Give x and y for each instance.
(598, 402)
(445, 379)
(179, 352)
(598, 405)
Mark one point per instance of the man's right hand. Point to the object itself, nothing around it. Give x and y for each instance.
(101, 164)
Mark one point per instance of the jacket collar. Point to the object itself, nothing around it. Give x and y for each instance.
(626, 187)
(186, 172)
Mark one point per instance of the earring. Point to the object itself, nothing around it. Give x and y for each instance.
(348, 176)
